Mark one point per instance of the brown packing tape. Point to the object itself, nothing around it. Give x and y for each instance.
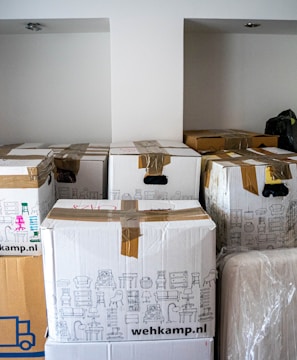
(237, 142)
(69, 158)
(130, 229)
(129, 246)
(153, 163)
(5, 149)
(116, 215)
(280, 171)
(152, 157)
(130, 218)
(279, 167)
(206, 174)
(35, 177)
(249, 179)
(77, 150)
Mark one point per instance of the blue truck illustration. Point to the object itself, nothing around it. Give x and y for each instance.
(16, 332)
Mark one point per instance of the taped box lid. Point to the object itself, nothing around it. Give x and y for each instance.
(219, 139)
(80, 148)
(129, 213)
(276, 161)
(22, 168)
(68, 156)
(10, 146)
(169, 147)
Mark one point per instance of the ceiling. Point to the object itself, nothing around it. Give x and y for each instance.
(237, 26)
(52, 26)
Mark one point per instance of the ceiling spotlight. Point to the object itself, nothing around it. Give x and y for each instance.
(34, 26)
(251, 25)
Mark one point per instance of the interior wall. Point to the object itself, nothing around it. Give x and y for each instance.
(146, 59)
(238, 80)
(147, 78)
(55, 88)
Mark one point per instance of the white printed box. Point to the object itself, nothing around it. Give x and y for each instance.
(187, 349)
(118, 270)
(252, 196)
(81, 171)
(27, 194)
(153, 170)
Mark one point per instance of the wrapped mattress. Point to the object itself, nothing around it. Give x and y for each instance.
(258, 305)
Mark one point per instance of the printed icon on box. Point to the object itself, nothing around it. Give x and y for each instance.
(25, 208)
(20, 223)
(17, 333)
(35, 237)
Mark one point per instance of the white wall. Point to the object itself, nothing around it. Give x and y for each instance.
(55, 88)
(147, 79)
(146, 46)
(238, 80)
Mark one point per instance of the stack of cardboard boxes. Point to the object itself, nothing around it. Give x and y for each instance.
(30, 184)
(251, 195)
(133, 276)
(26, 196)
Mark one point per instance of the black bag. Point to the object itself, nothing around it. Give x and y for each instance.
(284, 125)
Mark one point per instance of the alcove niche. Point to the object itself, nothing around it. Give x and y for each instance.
(55, 83)
(238, 73)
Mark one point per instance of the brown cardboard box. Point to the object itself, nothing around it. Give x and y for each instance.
(22, 307)
(227, 139)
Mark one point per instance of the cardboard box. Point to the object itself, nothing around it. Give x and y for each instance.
(81, 171)
(186, 349)
(131, 273)
(153, 170)
(26, 195)
(227, 139)
(252, 197)
(22, 307)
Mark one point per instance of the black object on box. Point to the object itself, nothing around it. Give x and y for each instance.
(284, 125)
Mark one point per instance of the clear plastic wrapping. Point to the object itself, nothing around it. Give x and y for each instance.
(257, 305)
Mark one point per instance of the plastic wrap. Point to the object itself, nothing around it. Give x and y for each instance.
(257, 311)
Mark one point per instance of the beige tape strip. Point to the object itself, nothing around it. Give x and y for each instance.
(152, 157)
(130, 218)
(130, 229)
(35, 178)
(279, 166)
(69, 158)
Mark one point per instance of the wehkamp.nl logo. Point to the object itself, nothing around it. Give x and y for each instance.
(169, 331)
(18, 248)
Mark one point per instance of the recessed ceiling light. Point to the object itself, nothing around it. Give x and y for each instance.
(34, 26)
(251, 25)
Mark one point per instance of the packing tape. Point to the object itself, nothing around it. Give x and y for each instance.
(6, 148)
(35, 177)
(129, 217)
(278, 164)
(69, 158)
(152, 157)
